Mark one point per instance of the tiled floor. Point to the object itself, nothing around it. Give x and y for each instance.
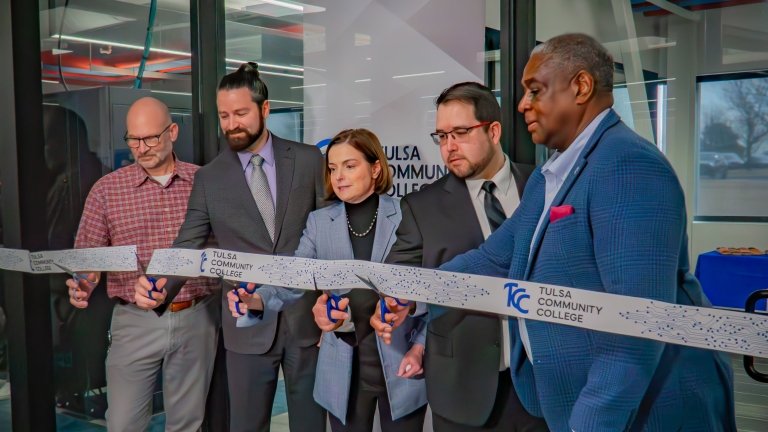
(751, 408)
(67, 421)
(751, 397)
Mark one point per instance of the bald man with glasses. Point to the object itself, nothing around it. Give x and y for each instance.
(144, 204)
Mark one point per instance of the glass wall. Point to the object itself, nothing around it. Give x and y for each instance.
(692, 81)
(329, 65)
(97, 57)
(733, 145)
(332, 65)
(732, 129)
(5, 385)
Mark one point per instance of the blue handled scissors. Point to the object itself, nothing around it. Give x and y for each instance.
(382, 303)
(76, 277)
(235, 286)
(332, 304)
(151, 279)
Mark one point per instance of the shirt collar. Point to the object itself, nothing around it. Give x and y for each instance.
(141, 175)
(267, 152)
(502, 179)
(560, 163)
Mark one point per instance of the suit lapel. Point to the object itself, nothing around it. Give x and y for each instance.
(461, 210)
(519, 180)
(284, 163)
(610, 119)
(385, 228)
(338, 234)
(233, 177)
(338, 231)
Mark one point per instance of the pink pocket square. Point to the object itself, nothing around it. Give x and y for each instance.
(560, 212)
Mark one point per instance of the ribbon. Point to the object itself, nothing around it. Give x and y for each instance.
(116, 258)
(694, 326)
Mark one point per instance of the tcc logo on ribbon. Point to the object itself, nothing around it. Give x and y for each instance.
(203, 259)
(515, 296)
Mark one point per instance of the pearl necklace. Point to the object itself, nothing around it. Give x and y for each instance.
(370, 227)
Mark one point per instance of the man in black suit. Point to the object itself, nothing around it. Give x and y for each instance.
(466, 363)
(255, 197)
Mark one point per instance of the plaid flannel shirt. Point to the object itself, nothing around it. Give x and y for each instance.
(128, 207)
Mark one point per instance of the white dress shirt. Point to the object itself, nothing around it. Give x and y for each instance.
(506, 193)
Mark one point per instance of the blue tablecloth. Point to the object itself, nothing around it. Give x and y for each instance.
(729, 279)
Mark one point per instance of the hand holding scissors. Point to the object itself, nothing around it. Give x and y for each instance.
(242, 293)
(329, 310)
(149, 292)
(392, 312)
(386, 308)
(79, 286)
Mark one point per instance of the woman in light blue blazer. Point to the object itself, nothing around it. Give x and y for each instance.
(355, 370)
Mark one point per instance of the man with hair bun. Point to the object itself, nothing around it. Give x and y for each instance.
(255, 197)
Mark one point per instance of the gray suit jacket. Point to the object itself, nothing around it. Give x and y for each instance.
(221, 205)
(327, 237)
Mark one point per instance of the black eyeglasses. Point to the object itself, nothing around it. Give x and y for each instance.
(149, 141)
(458, 134)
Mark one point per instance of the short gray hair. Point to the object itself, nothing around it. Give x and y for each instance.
(572, 52)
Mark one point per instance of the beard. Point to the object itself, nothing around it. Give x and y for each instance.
(245, 139)
(466, 170)
(469, 169)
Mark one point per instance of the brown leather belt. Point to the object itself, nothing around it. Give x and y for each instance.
(186, 304)
(175, 306)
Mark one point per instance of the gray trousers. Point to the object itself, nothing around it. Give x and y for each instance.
(253, 380)
(182, 344)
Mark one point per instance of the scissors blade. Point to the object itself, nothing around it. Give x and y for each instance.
(314, 281)
(369, 283)
(67, 270)
(141, 266)
(382, 302)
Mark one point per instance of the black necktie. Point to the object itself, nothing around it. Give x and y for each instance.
(493, 210)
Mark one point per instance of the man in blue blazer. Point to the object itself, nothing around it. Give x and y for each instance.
(606, 213)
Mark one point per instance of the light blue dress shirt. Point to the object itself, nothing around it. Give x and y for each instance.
(555, 172)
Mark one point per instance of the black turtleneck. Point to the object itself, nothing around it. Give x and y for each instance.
(366, 364)
(360, 217)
